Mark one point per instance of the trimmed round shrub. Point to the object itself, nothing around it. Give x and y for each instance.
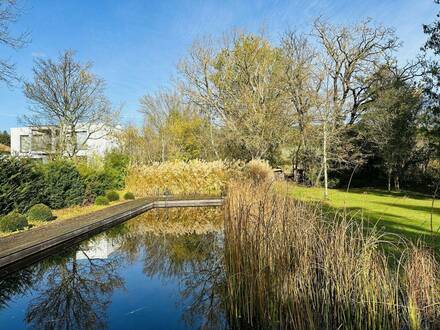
(64, 185)
(112, 196)
(128, 195)
(40, 212)
(101, 200)
(13, 221)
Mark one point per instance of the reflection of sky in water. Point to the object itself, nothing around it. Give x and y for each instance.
(125, 278)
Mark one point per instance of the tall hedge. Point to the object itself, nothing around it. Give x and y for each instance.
(21, 185)
(64, 186)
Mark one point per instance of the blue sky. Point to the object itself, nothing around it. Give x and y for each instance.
(135, 45)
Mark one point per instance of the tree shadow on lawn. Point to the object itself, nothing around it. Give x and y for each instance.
(386, 193)
(394, 228)
(426, 209)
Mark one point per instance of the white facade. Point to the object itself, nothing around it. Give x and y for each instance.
(96, 249)
(39, 142)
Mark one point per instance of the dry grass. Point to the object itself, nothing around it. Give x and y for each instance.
(75, 211)
(289, 267)
(180, 178)
(259, 171)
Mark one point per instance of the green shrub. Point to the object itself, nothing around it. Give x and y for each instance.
(13, 221)
(112, 196)
(115, 165)
(101, 200)
(40, 212)
(128, 195)
(21, 184)
(64, 185)
(97, 183)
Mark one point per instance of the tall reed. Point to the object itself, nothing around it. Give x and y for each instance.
(181, 178)
(290, 267)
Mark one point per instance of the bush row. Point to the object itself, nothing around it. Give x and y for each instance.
(112, 196)
(57, 184)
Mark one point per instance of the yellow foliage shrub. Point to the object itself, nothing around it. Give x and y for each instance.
(181, 178)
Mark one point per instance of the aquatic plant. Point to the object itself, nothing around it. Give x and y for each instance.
(291, 266)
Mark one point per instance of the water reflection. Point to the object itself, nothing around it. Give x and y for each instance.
(74, 289)
(74, 294)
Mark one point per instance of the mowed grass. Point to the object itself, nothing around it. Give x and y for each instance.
(402, 212)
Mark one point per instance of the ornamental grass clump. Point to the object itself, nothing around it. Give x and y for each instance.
(181, 178)
(259, 171)
(289, 266)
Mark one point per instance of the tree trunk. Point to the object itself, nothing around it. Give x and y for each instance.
(396, 183)
(389, 179)
(318, 177)
(295, 164)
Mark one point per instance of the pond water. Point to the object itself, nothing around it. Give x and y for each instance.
(161, 270)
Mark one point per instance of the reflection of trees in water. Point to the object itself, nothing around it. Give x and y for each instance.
(196, 260)
(15, 284)
(75, 293)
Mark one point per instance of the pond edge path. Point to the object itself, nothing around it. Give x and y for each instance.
(20, 249)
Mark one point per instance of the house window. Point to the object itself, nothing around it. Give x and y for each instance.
(81, 138)
(40, 142)
(25, 143)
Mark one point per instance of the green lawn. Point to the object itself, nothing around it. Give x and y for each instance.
(406, 212)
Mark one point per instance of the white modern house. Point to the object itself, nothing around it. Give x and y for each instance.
(40, 141)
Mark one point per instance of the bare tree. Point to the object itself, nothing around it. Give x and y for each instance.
(303, 82)
(156, 109)
(351, 57)
(239, 87)
(9, 13)
(67, 96)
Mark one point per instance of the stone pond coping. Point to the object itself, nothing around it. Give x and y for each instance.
(20, 249)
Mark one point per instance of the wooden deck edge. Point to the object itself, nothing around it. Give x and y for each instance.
(17, 256)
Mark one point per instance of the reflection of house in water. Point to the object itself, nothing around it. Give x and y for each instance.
(101, 248)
